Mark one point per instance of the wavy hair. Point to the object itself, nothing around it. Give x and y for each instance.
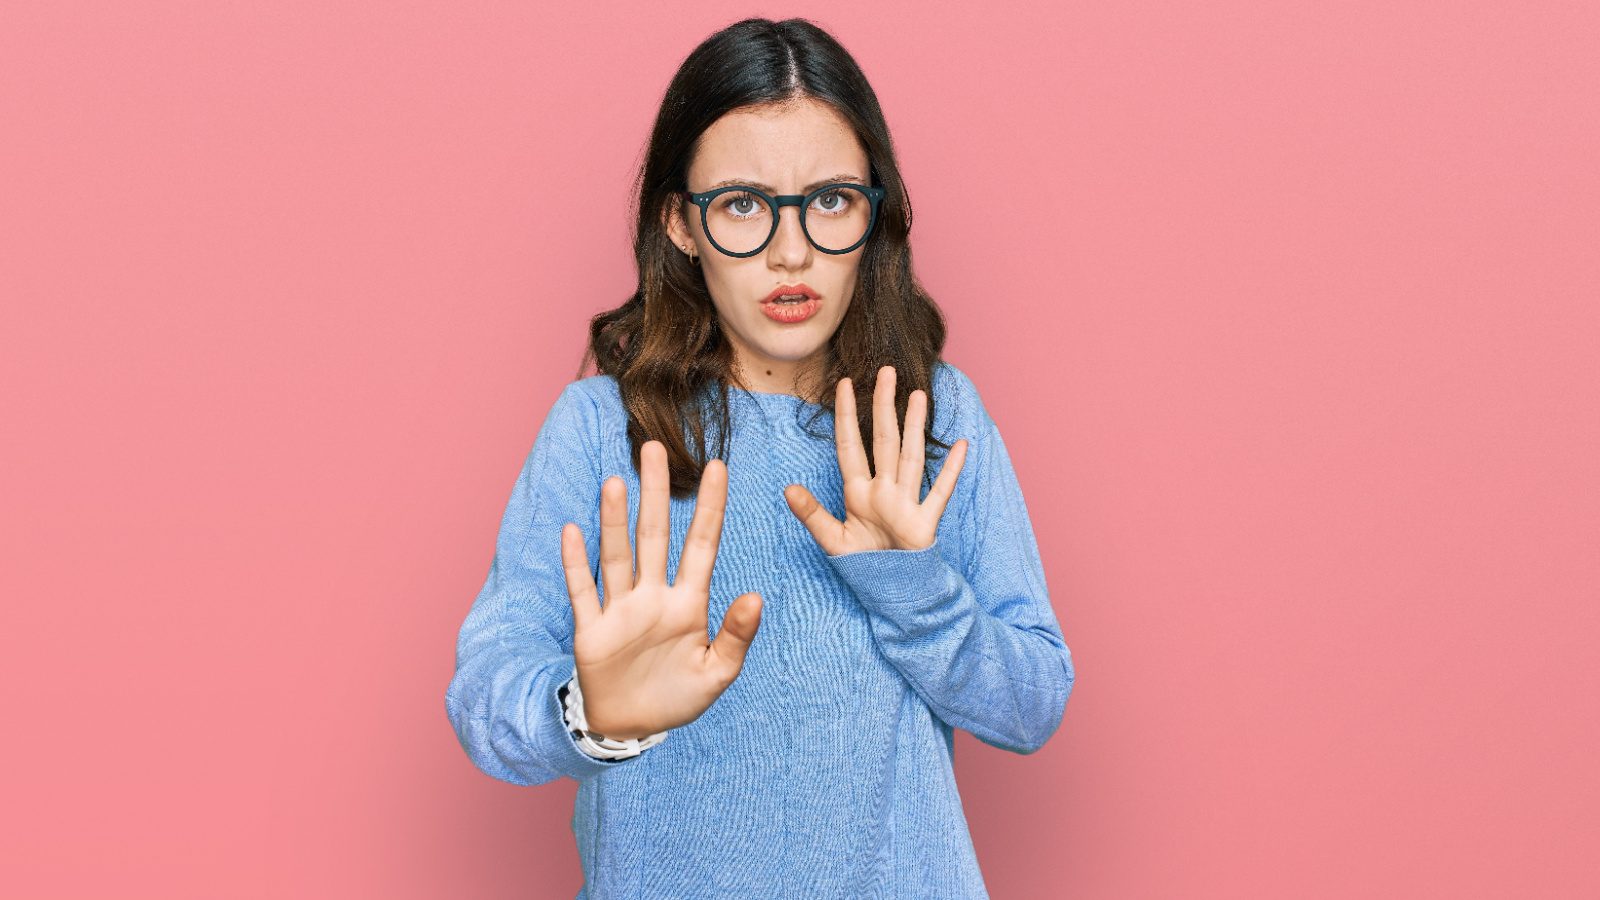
(664, 345)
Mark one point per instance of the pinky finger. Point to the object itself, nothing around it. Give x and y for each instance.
(580, 581)
(945, 484)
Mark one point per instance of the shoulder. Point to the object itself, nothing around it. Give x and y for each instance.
(585, 417)
(593, 401)
(958, 411)
(595, 391)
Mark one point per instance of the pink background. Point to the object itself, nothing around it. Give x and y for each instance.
(1290, 314)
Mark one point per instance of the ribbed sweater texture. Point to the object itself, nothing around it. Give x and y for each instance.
(826, 770)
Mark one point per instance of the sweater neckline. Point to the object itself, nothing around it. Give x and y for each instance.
(766, 399)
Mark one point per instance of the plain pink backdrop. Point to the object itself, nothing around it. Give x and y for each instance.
(1289, 312)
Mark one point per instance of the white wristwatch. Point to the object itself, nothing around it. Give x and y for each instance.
(594, 744)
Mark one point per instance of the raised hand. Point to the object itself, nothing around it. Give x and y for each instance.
(882, 511)
(645, 662)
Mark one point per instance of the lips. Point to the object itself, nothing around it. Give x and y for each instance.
(790, 304)
(788, 292)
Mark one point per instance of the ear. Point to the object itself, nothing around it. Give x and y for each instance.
(677, 228)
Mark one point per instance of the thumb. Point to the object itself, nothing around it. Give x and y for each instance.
(812, 514)
(738, 629)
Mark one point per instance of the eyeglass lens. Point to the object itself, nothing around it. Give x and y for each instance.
(836, 219)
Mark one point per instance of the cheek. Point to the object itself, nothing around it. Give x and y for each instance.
(844, 279)
(726, 278)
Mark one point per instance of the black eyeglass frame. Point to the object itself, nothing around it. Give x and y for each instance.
(776, 204)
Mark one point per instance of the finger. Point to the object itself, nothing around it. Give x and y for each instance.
(616, 556)
(847, 433)
(945, 484)
(739, 625)
(828, 531)
(885, 426)
(580, 583)
(913, 445)
(655, 495)
(705, 530)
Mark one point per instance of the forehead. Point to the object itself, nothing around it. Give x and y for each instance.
(784, 145)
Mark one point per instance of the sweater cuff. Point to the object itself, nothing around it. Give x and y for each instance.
(554, 736)
(897, 577)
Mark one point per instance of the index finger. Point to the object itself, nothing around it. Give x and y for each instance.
(705, 529)
(847, 433)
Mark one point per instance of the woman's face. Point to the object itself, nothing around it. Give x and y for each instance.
(779, 307)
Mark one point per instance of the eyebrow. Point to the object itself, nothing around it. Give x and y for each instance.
(766, 188)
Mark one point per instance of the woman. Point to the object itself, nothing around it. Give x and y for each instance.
(867, 605)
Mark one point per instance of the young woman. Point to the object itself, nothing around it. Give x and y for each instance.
(763, 703)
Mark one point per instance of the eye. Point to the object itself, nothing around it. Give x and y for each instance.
(741, 205)
(831, 202)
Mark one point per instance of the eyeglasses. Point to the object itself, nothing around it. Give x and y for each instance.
(740, 221)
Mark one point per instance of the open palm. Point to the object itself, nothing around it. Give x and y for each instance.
(882, 511)
(645, 662)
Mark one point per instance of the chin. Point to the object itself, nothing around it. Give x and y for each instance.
(789, 345)
(789, 352)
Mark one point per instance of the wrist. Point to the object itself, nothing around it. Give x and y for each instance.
(593, 743)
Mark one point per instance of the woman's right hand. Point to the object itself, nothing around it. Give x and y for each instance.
(645, 662)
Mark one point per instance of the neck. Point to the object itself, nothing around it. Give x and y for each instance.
(796, 377)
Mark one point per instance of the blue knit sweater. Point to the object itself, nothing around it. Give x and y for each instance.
(826, 769)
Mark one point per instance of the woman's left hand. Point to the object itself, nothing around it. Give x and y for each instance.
(881, 512)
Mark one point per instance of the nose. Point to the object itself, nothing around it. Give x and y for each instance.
(789, 248)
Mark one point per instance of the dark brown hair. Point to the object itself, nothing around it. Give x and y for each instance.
(664, 345)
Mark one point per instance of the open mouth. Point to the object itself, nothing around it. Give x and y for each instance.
(790, 304)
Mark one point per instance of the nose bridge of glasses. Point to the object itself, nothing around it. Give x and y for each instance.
(798, 201)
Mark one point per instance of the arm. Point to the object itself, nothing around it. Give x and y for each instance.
(646, 661)
(980, 646)
(515, 648)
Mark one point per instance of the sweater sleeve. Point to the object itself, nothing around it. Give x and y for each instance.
(981, 647)
(515, 648)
